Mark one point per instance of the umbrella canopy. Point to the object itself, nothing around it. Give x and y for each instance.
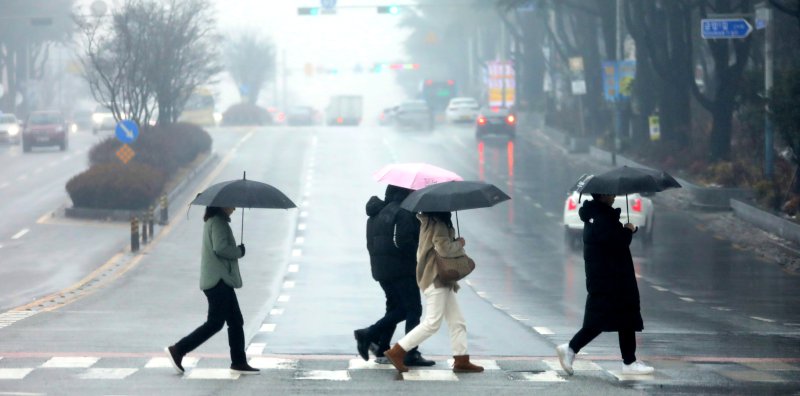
(414, 175)
(453, 196)
(243, 193)
(626, 180)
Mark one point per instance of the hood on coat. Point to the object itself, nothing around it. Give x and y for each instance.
(374, 206)
(592, 209)
(396, 194)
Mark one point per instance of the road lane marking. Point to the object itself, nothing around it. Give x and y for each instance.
(543, 330)
(276, 312)
(762, 319)
(20, 234)
(687, 299)
(107, 373)
(577, 365)
(360, 364)
(301, 226)
(71, 362)
(299, 240)
(205, 374)
(283, 298)
(659, 288)
(22, 177)
(288, 284)
(20, 373)
(297, 252)
(482, 294)
(550, 214)
(519, 317)
(275, 363)
(4, 185)
(294, 268)
(723, 309)
(304, 213)
(487, 364)
(256, 348)
(267, 327)
(430, 375)
(501, 307)
(544, 376)
(38, 170)
(163, 362)
(323, 375)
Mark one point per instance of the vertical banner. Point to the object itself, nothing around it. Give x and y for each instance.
(500, 73)
(655, 128)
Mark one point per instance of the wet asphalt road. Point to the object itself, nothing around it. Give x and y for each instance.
(716, 318)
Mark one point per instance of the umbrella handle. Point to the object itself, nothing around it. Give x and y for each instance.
(627, 211)
(458, 229)
(241, 234)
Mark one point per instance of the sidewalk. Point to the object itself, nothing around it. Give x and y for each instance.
(723, 224)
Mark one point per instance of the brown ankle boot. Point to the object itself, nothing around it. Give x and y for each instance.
(396, 355)
(462, 365)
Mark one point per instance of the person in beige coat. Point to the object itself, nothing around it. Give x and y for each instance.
(436, 233)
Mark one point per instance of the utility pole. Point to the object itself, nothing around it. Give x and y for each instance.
(618, 102)
(503, 60)
(768, 131)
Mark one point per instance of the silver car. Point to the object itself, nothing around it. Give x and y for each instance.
(9, 129)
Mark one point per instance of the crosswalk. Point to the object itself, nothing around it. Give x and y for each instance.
(338, 368)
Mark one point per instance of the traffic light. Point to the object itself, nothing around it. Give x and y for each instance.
(394, 10)
(307, 10)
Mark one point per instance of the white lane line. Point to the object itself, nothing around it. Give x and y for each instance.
(723, 309)
(659, 288)
(294, 268)
(20, 234)
(544, 376)
(519, 317)
(205, 373)
(162, 362)
(283, 298)
(537, 205)
(301, 226)
(687, 299)
(543, 330)
(550, 214)
(482, 294)
(256, 348)
(275, 363)
(324, 375)
(22, 177)
(276, 312)
(360, 364)
(306, 203)
(430, 375)
(288, 284)
(792, 324)
(304, 214)
(501, 307)
(4, 185)
(762, 319)
(297, 252)
(18, 374)
(268, 327)
(70, 362)
(107, 373)
(299, 240)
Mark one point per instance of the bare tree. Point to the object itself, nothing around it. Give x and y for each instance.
(250, 59)
(150, 56)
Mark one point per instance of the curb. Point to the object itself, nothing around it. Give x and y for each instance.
(766, 221)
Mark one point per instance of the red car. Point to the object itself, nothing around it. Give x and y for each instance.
(45, 128)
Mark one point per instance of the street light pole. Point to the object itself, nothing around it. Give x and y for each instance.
(618, 101)
(768, 131)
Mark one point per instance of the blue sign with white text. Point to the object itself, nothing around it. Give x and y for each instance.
(328, 4)
(127, 131)
(725, 28)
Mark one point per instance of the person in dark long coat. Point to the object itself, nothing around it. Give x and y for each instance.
(612, 303)
(392, 239)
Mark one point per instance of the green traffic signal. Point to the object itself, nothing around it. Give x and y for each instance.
(394, 10)
(307, 10)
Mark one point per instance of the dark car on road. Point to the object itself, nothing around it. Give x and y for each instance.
(498, 121)
(45, 128)
(301, 115)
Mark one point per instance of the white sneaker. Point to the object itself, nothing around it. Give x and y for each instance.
(637, 368)
(565, 356)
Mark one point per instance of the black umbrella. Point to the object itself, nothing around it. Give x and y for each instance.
(626, 180)
(454, 196)
(243, 193)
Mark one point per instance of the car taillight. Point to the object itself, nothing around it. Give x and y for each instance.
(481, 120)
(571, 205)
(340, 120)
(511, 119)
(281, 117)
(637, 205)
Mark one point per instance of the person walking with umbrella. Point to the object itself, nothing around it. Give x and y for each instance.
(219, 276)
(392, 239)
(437, 236)
(612, 303)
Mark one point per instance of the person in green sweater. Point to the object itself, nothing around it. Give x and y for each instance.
(219, 275)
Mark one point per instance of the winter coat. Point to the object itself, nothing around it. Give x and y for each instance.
(435, 235)
(392, 250)
(219, 255)
(613, 300)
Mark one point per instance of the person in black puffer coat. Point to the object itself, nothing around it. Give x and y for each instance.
(392, 239)
(612, 303)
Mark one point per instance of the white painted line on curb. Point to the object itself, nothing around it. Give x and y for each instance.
(294, 268)
(299, 240)
(283, 298)
(256, 348)
(301, 226)
(297, 252)
(304, 214)
(519, 317)
(288, 284)
(268, 327)
(276, 312)
(20, 234)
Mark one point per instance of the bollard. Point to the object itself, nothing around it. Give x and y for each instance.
(164, 207)
(134, 234)
(144, 228)
(150, 216)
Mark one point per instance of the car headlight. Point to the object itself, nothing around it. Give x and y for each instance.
(73, 128)
(217, 117)
(13, 130)
(97, 118)
(60, 129)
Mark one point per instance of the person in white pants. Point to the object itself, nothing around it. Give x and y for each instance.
(437, 233)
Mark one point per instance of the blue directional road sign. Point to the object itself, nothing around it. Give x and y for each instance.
(328, 4)
(127, 131)
(732, 28)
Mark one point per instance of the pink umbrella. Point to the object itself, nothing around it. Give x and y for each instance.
(414, 175)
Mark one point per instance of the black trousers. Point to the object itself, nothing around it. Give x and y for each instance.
(627, 342)
(403, 302)
(222, 307)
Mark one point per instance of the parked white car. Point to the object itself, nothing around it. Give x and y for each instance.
(641, 215)
(462, 109)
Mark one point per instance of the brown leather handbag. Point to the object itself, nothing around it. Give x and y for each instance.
(453, 269)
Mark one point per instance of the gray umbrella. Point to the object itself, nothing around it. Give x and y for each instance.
(453, 196)
(243, 193)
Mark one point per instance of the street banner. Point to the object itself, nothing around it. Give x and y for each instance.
(501, 73)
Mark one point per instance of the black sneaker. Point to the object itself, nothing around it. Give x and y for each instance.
(174, 358)
(414, 358)
(244, 369)
(362, 343)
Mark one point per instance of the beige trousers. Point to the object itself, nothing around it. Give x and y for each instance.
(440, 303)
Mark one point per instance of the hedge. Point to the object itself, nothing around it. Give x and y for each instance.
(246, 114)
(159, 152)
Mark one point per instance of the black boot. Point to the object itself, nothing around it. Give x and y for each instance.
(414, 358)
(362, 343)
